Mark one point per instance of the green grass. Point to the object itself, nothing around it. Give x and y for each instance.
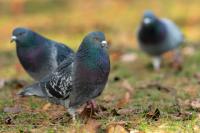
(138, 74)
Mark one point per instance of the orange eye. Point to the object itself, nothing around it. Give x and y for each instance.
(96, 38)
(21, 33)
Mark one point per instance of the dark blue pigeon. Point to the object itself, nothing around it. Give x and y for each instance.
(157, 36)
(37, 54)
(79, 79)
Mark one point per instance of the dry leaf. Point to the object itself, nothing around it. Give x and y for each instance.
(91, 126)
(89, 112)
(188, 51)
(8, 120)
(46, 106)
(195, 104)
(130, 57)
(115, 55)
(127, 111)
(2, 83)
(183, 116)
(125, 100)
(108, 98)
(152, 114)
(126, 85)
(135, 131)
(168, 55)
(14, 83)
(116, 129)
(14, 110)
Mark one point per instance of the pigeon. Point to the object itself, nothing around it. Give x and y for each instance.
(157, 36)
(79, 78)
(38, 55)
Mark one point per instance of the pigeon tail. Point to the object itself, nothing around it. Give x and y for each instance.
(32, 90)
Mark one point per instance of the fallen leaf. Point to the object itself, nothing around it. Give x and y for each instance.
(116, 129)
(195, 104)
(126, 85)
(115, 54)
(121, 123)
(108, 97)
(127, 111)
(91, 126)
(8, 120)
(182, 116)
(135, 131)
(152, 114)
(2, 83)
(196, 128)
(188, 51)
(46, 106)
(17, 84)
(158, 86)
(197, 76)
(14, 110)
(124, 100)
(97, 112)
(129, 57)
(168, 55)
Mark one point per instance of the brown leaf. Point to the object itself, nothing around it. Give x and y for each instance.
(197, 76)
(121, 123)
(46, 106)
(135, 131)
(115, 55)
(127, 111)
(195, 104)
(2, 83)
(153, 115)
(8, 120)
(108, 97)
(182, 116)
(124, 100)
(89, 112)
(129, 57)
(14, 110)
(116, 129)
(158, 86)
(14, 83)
(126, 85)
(189, 51)
(91, 126)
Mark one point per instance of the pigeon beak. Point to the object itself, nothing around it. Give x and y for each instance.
(104, 44)
(147, 21)
(13, 38)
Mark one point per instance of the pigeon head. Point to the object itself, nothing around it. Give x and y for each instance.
(22, 36)
(95, 41)
(149, 18)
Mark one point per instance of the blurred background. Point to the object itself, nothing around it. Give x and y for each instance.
(68, 21)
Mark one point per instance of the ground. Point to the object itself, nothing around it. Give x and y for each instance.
(135, 99)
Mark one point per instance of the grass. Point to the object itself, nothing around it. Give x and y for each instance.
(70, 26)
(138, 74)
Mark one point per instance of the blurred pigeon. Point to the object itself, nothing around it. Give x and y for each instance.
(37, 54)
(79, 79)
(157, 36)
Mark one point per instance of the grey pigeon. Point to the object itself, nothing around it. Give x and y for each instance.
(79, 79)
(38, 55)
(157, 36)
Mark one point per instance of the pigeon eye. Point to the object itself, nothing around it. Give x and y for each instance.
(96, 38)
(21, 33)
